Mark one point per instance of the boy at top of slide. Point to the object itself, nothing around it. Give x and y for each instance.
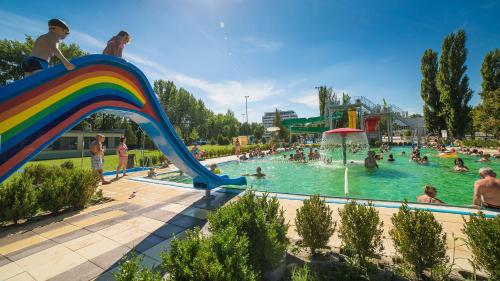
(47, 46)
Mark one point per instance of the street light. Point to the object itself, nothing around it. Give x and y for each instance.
(246, 112)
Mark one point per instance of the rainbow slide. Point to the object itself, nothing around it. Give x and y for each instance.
(37, 110)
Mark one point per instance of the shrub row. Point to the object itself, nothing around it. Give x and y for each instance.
(482, 143)
(45, 188)
(417, 236)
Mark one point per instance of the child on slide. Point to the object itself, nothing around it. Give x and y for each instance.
(116, 44)
(47, 46)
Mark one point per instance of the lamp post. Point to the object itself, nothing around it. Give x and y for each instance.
(246, 111)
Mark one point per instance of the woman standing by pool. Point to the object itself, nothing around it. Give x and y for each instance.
(237, 147)
(122, 151)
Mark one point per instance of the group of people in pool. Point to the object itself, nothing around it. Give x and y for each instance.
(300, 156)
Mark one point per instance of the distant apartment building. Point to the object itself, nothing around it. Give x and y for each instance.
(268, 119)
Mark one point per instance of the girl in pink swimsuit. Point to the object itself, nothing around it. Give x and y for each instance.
(122, 152)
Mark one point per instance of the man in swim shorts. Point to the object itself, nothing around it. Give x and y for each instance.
(47, 46)
(487, 189)
(97, 156)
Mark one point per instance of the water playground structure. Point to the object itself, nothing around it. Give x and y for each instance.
(37, 110)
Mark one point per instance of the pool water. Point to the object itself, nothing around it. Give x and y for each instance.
(395, 181)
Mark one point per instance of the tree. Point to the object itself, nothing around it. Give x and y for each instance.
(487, 113)
(453, 84)
(324, 94)
(283, 133)
(12, 53)
(434, 121)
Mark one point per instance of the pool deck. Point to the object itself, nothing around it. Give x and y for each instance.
(88, 244)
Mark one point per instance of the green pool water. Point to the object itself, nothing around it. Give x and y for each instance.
(395, 181)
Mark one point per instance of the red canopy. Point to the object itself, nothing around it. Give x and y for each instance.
(343, 131)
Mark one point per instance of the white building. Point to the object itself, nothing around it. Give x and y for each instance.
(268, 118)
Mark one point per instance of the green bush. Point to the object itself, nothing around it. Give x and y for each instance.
(131, 270)
(482, 143)
(53, 194)
(145, 161)
(39, 172)
(221, 256)
(155, 159)
(303, 274)
(262, 222)
(67, 164)
(483, 239)
(314, 223)
(213, 141)
(220, 140)
(419, 241)
(361, 233)
(82, 184)
(18, 199)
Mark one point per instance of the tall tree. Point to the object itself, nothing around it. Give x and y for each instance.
(487, 113)
(453, 84)
(434, 121)
(324, 94)
(283, 133)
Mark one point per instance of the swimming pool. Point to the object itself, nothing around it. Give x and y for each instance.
(394, 181)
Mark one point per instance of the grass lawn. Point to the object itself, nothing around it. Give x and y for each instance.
(110, 161)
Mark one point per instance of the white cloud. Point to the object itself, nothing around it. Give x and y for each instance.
(221, 24)
(84, 38)
(308, 98)
(260, 45)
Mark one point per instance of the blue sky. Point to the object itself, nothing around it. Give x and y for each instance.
(274, 51)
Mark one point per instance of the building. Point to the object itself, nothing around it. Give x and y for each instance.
(268, 119)
(70, 144)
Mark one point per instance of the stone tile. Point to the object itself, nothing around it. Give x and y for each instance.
(174, 208)
(128, 235)
(149, 262)
(114, 229)
(10, 270)
(100, 225)
(84, 241)
(71, 236)
(154, 252)
(79, 217)
(196, 212)
(91, 251)
(3, 260)
(30, 239)
(143, 244)
(160, 215)
(168, 230)
(110, 258)
(17, 255)
(107, 275)
(187, 221)
(144, 223)
(96, 219)
(109, 208)
(22, 277)
(83, 272)
(50, 262)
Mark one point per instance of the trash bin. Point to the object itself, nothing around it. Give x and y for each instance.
(131, 161)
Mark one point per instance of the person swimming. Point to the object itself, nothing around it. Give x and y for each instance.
(258, 173)
(391, 158)
(370, 162)
(485, 158)
(429, 196)
(459, 165)
(214, 169)
(424, 160)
